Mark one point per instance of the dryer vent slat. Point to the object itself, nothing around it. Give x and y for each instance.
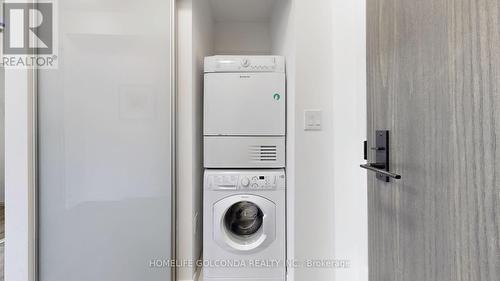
(263, 153)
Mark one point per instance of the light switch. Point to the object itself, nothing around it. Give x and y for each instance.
(312, 120)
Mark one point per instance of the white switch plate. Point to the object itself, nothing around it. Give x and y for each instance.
(312, 120)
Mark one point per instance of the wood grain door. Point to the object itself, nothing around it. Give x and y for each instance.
(434, 83)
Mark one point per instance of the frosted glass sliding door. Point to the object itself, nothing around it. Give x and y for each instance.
(104, 141)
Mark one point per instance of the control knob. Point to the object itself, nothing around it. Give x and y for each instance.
(245, 182)
(245, 63)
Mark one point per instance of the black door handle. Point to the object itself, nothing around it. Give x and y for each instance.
(381, 165)
(379, 169)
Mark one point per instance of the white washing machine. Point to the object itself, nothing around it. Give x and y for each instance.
(244, 225)
(244, 112)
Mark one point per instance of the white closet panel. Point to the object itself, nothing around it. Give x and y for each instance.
(104, 122)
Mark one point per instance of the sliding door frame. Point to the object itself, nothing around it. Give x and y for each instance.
(20, 256)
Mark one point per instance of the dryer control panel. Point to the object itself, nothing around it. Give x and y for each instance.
(244, 64)
(245, 180)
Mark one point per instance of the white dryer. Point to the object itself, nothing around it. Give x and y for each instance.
(244, 225)
(244, 112)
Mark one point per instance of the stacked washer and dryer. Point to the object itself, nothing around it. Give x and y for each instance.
(244, 160)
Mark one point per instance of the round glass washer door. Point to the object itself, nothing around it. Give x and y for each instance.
(243, 219)
(244, 223)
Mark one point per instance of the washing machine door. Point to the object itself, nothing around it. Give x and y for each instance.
(244, 223)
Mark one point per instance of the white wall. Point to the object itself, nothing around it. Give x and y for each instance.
(194, 42)
(283, 31)
(314, 151)
(203, 45)
(248, 38)
(330, 188)
(349, 128)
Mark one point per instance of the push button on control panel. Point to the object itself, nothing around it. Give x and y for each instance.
(263, 182)
(245, 63)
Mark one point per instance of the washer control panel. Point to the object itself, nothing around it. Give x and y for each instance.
(245, 180)
(244, 64)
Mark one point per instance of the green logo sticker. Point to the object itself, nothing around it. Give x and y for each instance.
(277, 97)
